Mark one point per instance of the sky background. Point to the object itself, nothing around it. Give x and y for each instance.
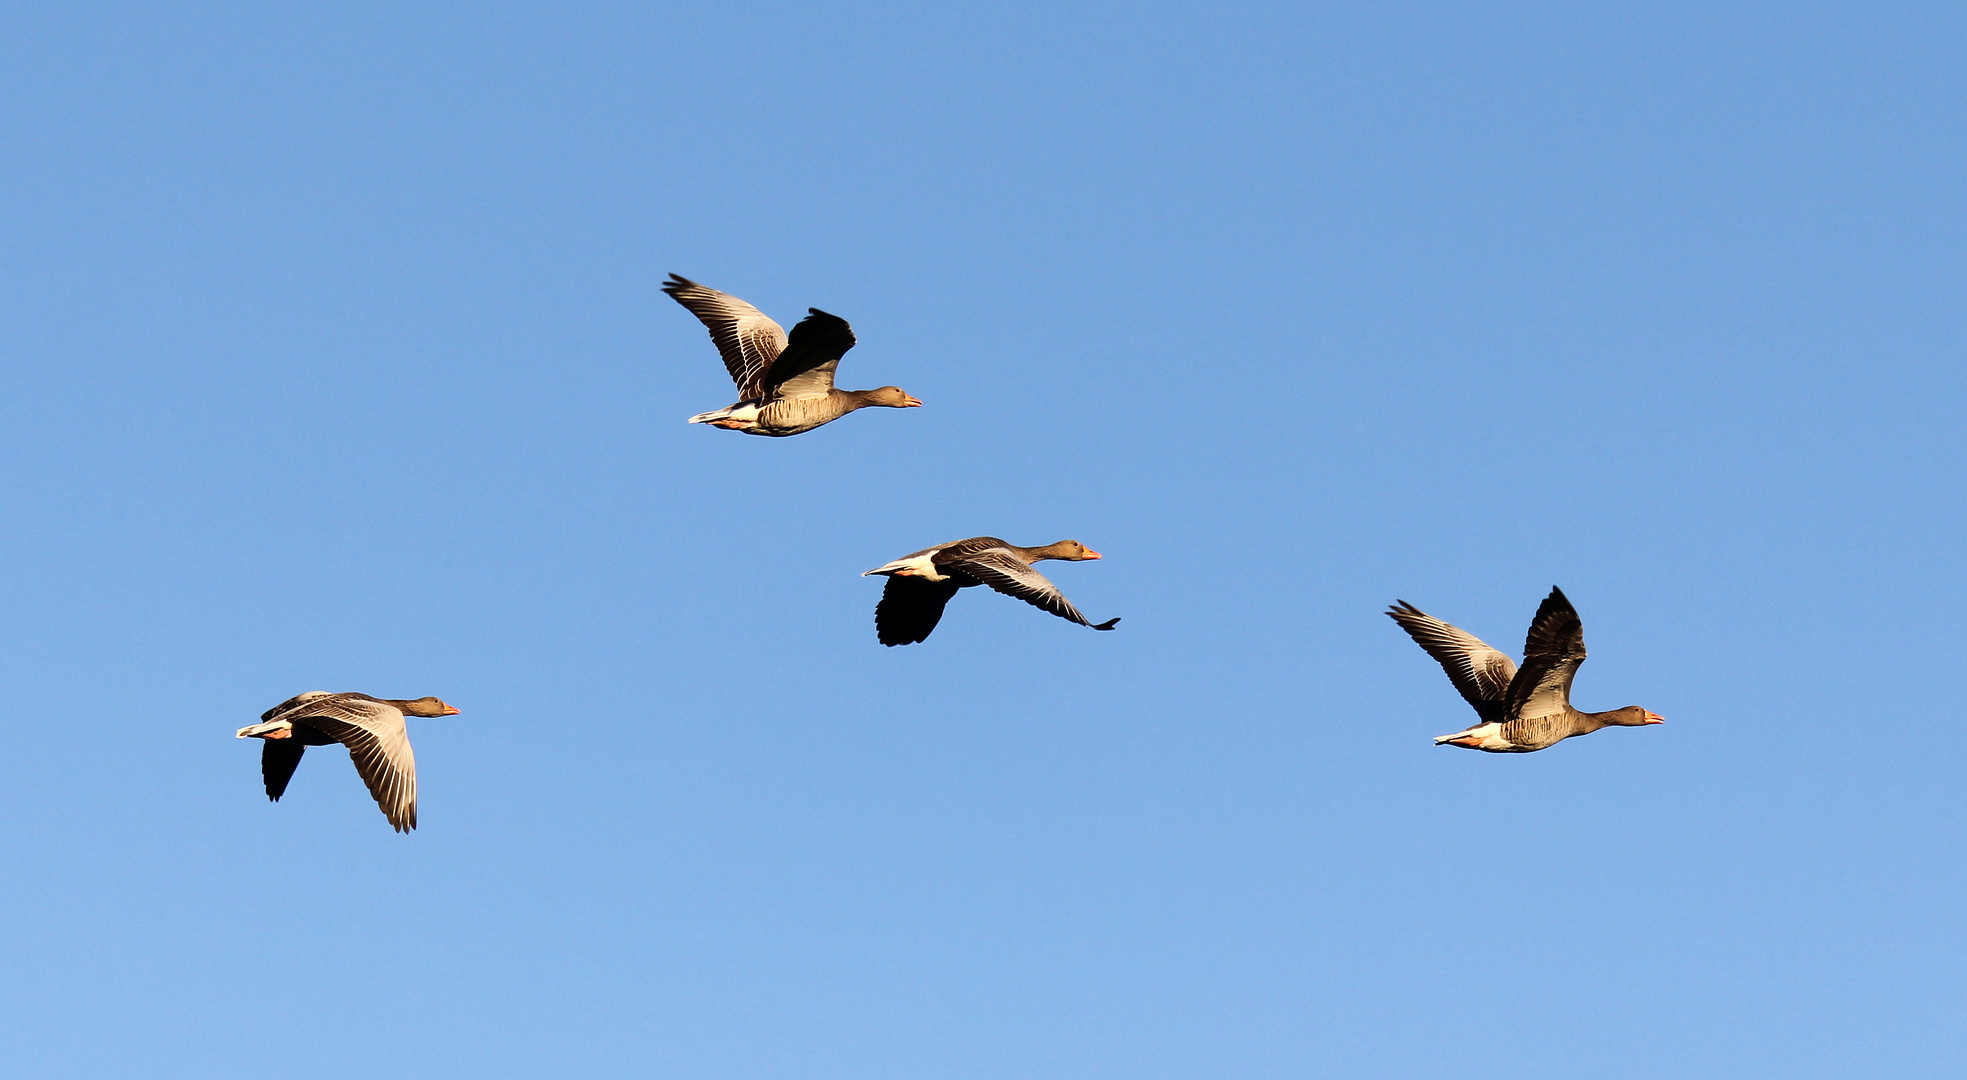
(334, 359)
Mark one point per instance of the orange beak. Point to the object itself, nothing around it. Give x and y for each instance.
(1090, 554)
(1655, 718)
(910, 403)
(450, 710)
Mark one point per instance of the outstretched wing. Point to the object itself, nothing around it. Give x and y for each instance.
(1480, 672)
(1012, 576)
(748, 340)
(911, 607)
(379, 745)
(1552, 652)
(278, 760)
(806, 367)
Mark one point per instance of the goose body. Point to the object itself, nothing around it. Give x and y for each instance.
(1521, 710)
(920, 584)
(785, 382)
(372, 729)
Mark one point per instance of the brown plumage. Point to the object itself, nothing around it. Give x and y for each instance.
(919, 585)
(1522, 709)
(372, 729)
(785, 382)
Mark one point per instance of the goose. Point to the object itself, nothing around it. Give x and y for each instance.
(1519, 710)
(785, 384)
(372, 729)
(920, 584)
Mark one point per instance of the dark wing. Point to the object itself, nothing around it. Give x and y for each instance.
(806, 367)
(1479, 672)
(1552, 652)
(278, 760)
(379, 745)
(746, 337)
(1012, 576)
(910, 607)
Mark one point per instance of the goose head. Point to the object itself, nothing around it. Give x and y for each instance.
(1070, 550)
(426, 706)
(892, 397)
(1633, 716)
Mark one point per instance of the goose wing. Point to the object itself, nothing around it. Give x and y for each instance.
(278, 760)
(1552, 652)
(1004, 571)
(1480, 672)
(806, 367)
(911, 607)
(378, 743)
(292, 703)
(746, 337)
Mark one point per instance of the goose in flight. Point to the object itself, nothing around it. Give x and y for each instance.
(920, 584)
(371, 728)
(785, 384)
(1519, 710)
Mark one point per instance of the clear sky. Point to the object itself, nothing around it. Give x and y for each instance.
(334, 359)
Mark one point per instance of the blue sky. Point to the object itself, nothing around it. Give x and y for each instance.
(334, 360)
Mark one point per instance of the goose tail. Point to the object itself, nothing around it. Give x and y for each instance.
(743, 412)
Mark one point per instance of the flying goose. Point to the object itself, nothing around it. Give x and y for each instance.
(920, 584)
(1520, 710)
(785, 384)
(371, 728)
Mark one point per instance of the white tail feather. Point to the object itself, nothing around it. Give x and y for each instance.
(743, 411)
(922, 566)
